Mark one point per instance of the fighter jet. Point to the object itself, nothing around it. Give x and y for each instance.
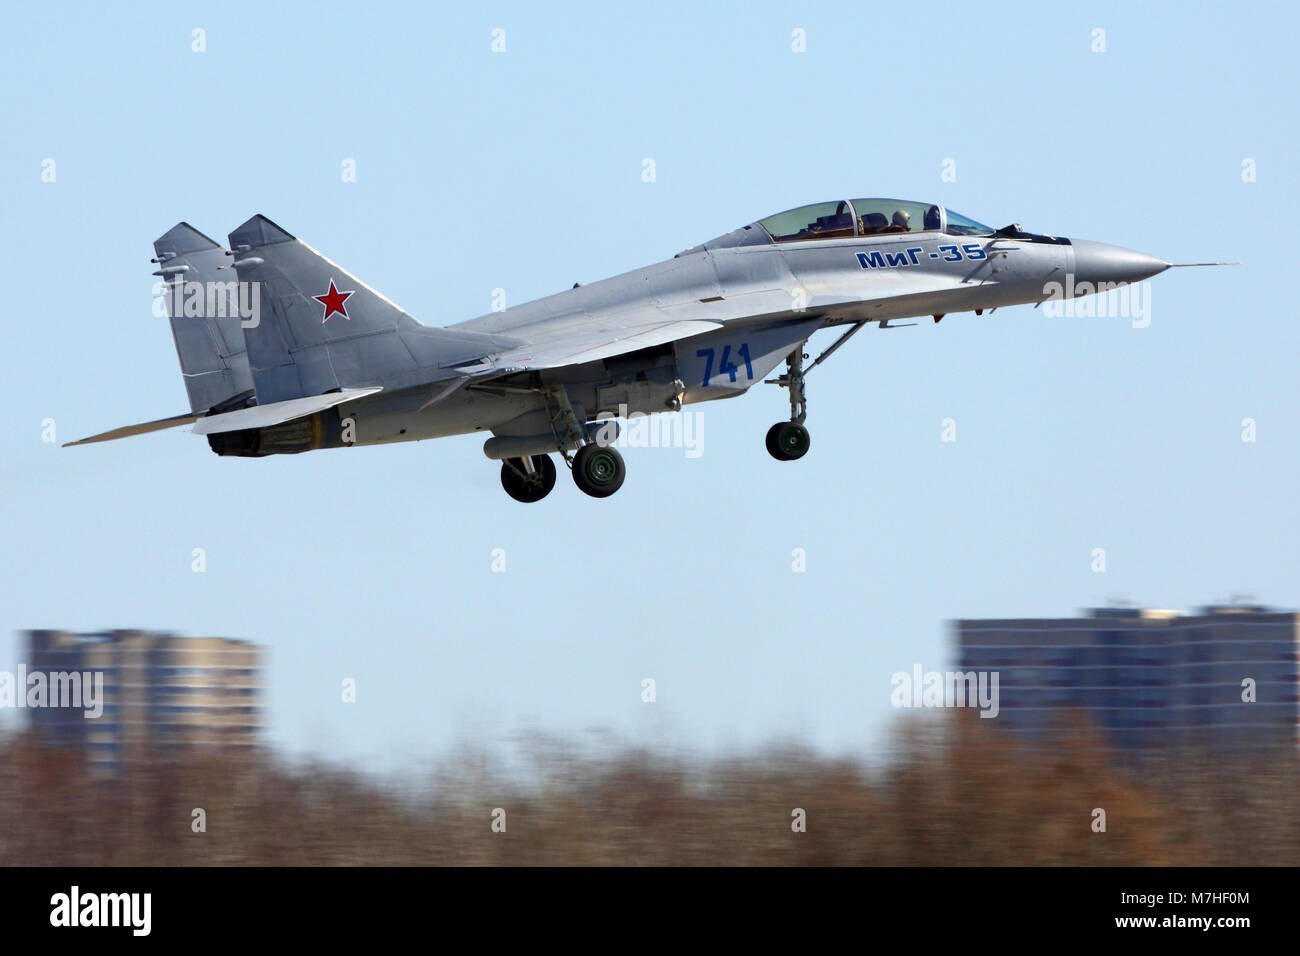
(293, 353)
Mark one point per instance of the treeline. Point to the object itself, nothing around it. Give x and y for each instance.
(953, 793)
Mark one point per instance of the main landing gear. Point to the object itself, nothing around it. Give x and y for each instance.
(528, 479)
(787, 441)
(598, 469)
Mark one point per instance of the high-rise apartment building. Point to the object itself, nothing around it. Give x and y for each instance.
(159, 691)
(1225, 675)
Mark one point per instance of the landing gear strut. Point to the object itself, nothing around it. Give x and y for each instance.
(598, 470)
(528, 479)
(527, 472)
(787, 441)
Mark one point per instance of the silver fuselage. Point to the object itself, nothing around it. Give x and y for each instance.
(769, 298)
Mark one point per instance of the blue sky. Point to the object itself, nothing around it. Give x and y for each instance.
(522, 171)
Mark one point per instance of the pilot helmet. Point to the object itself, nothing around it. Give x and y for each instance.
(902, 218)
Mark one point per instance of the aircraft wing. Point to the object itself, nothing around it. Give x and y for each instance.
(579, 345)
(554, 341)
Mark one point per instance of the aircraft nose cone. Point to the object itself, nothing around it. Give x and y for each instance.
(1098, 262)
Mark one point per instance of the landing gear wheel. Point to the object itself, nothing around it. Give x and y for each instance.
(773, 448)
(523, 486)
(787, 441)
(598, 470)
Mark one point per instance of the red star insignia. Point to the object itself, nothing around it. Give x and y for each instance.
(333, 301)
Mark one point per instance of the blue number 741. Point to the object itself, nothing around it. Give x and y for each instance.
(726, 365)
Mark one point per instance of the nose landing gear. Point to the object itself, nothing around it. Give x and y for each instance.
(787, 441)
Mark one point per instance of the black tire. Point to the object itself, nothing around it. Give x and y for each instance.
(528, 488)
(773, 448)
(598, 470)
(792, 440)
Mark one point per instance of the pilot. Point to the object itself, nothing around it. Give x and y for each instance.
(902, 221)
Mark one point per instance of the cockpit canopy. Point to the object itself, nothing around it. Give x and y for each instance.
(845, 218)
(848, 219)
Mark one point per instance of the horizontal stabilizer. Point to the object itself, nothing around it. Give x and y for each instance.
(127, 431)
(262, 416)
